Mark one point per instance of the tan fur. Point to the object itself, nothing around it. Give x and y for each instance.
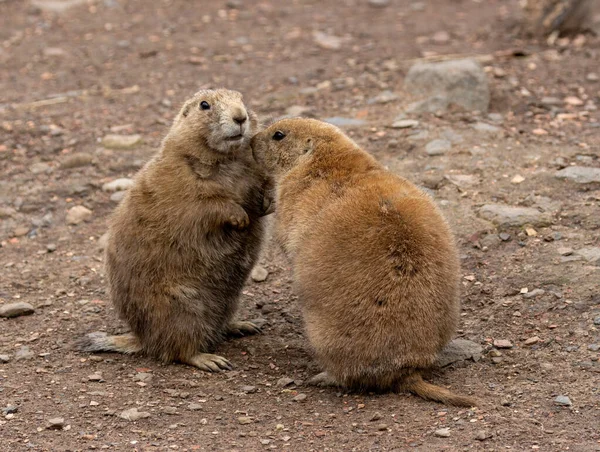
(185, 237)
(374, 261)
(565, 16)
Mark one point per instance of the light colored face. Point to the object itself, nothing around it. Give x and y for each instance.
(218, 118)
(285, 143)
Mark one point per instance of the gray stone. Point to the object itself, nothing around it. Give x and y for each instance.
(244, 420)
(113, 141)
(438, 147)
(490, 241)
(504, 215)
(16, 309)
(345, 122)
(259, 273)
(4, 359)
(442, 432)
(78, 214)
(57, 6)
(462, 180)
(562, 401)
(249, 389)
(118, 196)
(379, 3)
(459, 350)
(452, 136)
(487, 128)
(284, 381)
(579, 174)
(23, 354)
(326, 41)
(591, 254)
(460, 82)
(133, 414)
(56, 423)
(404, 124)
(300, 398)
(534, 293)
(40, 167)
(597, 320)
(195, 406)
(503, 343)
(482, 435)
(383, 98)
(121, 184)
(76, 160)
(144, 377)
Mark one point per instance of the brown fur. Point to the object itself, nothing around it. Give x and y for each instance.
(565, 16)
(184, 239)
(374, 261)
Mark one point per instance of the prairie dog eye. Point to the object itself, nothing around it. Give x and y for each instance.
(278, 136)
(204, 105)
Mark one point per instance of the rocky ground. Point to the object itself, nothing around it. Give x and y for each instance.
(507, 142)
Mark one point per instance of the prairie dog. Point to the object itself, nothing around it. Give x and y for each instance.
(184, 239)
(373, 260)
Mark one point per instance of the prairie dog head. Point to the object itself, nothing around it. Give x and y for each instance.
(289, 142)
(217, 119)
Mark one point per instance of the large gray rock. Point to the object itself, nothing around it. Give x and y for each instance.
(590, 254)
(459, 82)
(503, 215)
(459, 350)
(579, 174)
(16, 309)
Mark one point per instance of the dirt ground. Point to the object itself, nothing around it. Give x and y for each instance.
(73, 75)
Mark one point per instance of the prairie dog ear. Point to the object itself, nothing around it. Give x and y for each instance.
(309, 145)
(186, 110)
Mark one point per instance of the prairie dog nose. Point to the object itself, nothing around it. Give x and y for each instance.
(240, 116)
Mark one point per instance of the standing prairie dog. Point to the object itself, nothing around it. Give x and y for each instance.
(373, 260)
(185, 237)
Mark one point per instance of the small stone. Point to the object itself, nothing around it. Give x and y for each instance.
(438, 147)
(249, 389)
(404, 124)
(382, 427)
(482, 435)
(384, 97)
(441, 37)
(591, 254)
(592, 77)
(51, 247)
(78, 214)
(562, 401)
(534, 293)
(9, 409)
(300, 398)
(243, 420)
(56, 423)
(565, 251)
(459, 350)
(121, 184)
(345, 122)
(21, 231)
(504, 215)
(462, 180)
(531, 341)
(550, 101)
(579, 174)
(102, 242)
(379, 3)
(16, 309)
(259, 273)
(170, 410)
(442, 432)
(265, 442)
(118, 196)
(40, 167)
(4, 359)
(517, 179)
(594, 347)
(95, 377)
(285, 381)
(121, 141)
(597, 320)
(504, 236)
(496, 360)
(375, 417)
(143, 376)
(572, 100)
(486, 128)
(76, 160)
(327, 41)
(23, 353)
(503, 343)
(194, 406)
(133, 414)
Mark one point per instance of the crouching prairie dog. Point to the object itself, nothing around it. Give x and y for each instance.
(185, 237)
(374, 262)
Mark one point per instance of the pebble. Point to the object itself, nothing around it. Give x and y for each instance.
(95, 377)
(4, 359)
(78, 214)
(442, 432)
(579, 174)
(76, 160)
(327, 41)
(594, 347)
(562, 401)
(592, 77)
(382, 427)
(504, 215)
(345, 122)
(551, 101)
(133, 414)
(51, 247)
(194, 406)
(21, 231)
(102, 242)
(300, 398)
(597, 320)
(459, 350)
(503, 343)
(118, 196)
(243, 420)
(383, 98)
(591, 254)
(504, 236)
(485, 127)
(565, 251)
(121, 184)
(379, 3)
(170, 410)
(284, 381)
(56, 423)
(16, 309)
(452, 136)
(438, 147)
(23, 353)
(405, 124)
(114, 141)
(9, 409)
(462, 180)
(375, 417)
(532, 340)
(249, 389)
(40, 167)
(259, 273)
(482, 435)
(534, 293)
(143, 376)
(496, 360)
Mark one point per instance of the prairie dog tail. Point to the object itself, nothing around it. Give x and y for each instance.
(102, 342)
(415, 384)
